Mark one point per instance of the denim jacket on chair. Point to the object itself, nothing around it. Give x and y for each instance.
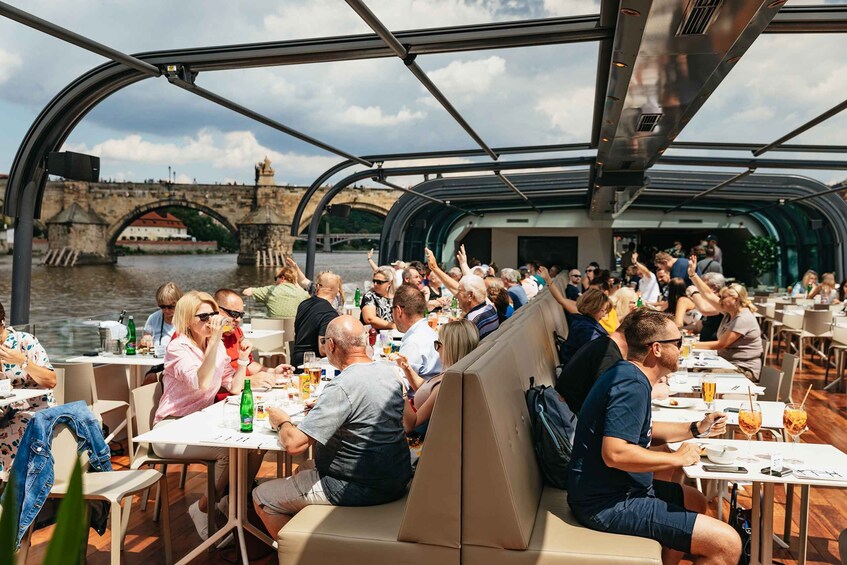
(32, 469)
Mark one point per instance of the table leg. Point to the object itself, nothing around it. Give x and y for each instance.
(232, 523)
(242, 493)
(789, 511)
(767, 525)
(756, 535)
(804, 525)
(244, 500)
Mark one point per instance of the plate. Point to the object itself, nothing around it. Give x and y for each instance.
(677, 402)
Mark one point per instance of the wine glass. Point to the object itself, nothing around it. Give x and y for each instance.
(750, 422)
(308, 359)
(794, 419)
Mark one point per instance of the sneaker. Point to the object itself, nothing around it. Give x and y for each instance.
(201, 524)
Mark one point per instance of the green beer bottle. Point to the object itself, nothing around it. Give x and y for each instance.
(357, 298)
(640, 303)
(247, 408)
(130, 337)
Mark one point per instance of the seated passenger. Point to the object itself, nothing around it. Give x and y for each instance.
(471, 297)
(25, 363)
(455, 340)
(801, 287)
(511, 280)
(681, 307)
(417, 345)
(584, 326)
(196, 367)
(160, 323)
(361, 454)
(610, 478)
(574, 288)
(827, 290)
(282, 298)
(313, 315)
(232, 307)
(376, 303)
(499, 297)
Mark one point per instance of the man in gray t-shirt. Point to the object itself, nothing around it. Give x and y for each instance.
(356, 427)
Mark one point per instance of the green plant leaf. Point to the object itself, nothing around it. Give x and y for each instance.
(71, 533)
(8, 523)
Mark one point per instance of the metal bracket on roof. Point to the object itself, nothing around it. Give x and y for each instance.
(410, 57)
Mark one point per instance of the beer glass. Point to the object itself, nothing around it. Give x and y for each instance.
(708, 388)
(385, 344)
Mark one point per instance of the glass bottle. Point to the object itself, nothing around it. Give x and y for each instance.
(357, 298)
(247, 408)
(130, 337)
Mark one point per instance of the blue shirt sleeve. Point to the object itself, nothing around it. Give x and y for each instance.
(626, 409)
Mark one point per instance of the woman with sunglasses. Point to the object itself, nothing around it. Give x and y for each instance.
(376, 303)
(160, 323)
(739, 336)
(455, 340)
(196, 366)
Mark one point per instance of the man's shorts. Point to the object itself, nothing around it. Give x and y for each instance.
(658, 513)
(291, 494)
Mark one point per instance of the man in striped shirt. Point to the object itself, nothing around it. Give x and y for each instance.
(471, 298)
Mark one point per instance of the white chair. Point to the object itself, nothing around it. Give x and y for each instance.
(80, 384)
(836, 350)
(144, 401)
(114, 487)
(280, 346)
(817, 326)
(789, 366)
(771, 379)
(59, 389)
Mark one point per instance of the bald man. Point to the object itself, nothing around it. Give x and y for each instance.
(361, 454)
(313, 316)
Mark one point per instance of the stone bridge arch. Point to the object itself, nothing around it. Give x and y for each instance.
(355, 203)
(116, 228)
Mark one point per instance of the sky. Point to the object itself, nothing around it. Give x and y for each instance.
(537, 95)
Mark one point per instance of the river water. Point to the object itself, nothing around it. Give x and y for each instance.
(63, 299)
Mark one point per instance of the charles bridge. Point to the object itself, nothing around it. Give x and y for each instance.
(87, 218)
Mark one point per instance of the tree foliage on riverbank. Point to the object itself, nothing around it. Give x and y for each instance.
(204, 228)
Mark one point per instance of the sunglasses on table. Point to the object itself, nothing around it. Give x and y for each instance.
(204, 317)
(437, 345)
(234, 314)
(167, 306)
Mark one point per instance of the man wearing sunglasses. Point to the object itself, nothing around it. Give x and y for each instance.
(232, 306)
(610, 478)
(574, 288)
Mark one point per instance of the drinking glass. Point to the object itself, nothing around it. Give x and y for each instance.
(308, 358)
(231, 416)
(794, 420)
(385, 344)
(708, 388)
(750, 422)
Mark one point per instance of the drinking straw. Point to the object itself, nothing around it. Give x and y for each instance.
(802, 404)
(750, 396)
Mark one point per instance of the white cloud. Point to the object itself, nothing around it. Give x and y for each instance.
(571, 7)
(468, 78)
(566, 112)
(9, 64)
(373, 116)
(757, 114)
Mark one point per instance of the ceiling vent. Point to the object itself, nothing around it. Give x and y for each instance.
(698, 17)
(647, 122)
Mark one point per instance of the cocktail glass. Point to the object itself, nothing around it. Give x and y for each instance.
(794, 420)
(750, 422)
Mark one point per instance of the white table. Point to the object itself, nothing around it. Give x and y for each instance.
(134, 364)
(708, 362)
(814, 456)
(771, 413)
(206, 428)
(727, 383)
(22, 394)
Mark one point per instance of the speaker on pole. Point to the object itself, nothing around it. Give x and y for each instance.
(74, 166)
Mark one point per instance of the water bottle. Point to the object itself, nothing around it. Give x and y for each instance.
(639, 303)
(247, 408)
(357, 298)
(130, 337)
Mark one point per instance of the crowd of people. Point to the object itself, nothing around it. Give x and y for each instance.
(624, 336)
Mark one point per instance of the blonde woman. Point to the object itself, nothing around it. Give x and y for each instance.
(455, 340)
(376, 303)
(799, 289)
(739, 337)
(625, 301)
(827, 290)
(196, 367)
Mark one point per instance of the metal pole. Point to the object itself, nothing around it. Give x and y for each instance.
(409, 59)
(708, 191)
(840, 187)
(58, 32)
(424, 196)
(22, 258)
(226, 103)
(515, 189)
(807, 126)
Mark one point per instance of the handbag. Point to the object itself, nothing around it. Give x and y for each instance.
(741, 519)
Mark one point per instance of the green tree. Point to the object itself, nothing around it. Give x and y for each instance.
(205, 228)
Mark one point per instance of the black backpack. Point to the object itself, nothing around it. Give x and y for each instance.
(560, 343)
(553, 426)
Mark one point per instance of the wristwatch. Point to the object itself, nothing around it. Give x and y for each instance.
(694, 431)
(279, 427)
(25, 365)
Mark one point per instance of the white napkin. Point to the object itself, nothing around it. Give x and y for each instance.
(117, 331)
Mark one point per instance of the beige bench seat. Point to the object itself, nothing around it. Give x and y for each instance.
(559, 539)
(365, 534)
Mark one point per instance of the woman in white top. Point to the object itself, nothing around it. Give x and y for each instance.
(455, 340)
(827, 290)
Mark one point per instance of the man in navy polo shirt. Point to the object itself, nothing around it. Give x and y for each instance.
(610, 478)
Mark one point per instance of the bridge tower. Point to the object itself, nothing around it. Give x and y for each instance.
(263, 230)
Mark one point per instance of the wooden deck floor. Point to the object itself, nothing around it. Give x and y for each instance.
(828, 507)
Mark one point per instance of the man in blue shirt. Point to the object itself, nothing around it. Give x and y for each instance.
(610, 478)
(512, 281)
(677, 268)
(418, 344)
